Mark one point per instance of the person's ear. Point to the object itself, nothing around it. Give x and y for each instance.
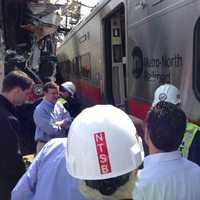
(16, 90)
(146, 135)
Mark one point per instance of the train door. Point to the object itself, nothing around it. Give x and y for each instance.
(115, 54)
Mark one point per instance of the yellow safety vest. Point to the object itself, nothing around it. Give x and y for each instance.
(189, 135)
(62, 101)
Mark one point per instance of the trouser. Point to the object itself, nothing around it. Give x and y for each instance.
(40, 145)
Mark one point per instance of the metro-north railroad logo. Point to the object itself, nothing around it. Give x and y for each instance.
(162, 97)
(38, 89)
(102, 153)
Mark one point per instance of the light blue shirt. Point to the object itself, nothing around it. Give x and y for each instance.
(47, 177)
(45, 116)
(168, 176)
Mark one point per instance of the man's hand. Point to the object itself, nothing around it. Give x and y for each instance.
(61, 124)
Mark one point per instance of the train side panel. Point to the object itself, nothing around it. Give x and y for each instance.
(82, 52)
(160, 50)
(161, 40)
(82, 56)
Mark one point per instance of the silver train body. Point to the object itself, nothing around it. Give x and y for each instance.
(125, 49)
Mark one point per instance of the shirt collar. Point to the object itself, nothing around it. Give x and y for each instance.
(161, 157)
(48, 103)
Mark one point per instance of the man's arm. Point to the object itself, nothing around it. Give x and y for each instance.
(26, 187)
(64, 115)
(11, 163)
(67, 120)
(42, 120)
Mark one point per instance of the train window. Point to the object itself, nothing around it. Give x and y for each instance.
(64, 70)
(117, 53)
(116, 83)
(75, 66)
(67, 67)
(137, 60)
(196, 62)
(86, 66)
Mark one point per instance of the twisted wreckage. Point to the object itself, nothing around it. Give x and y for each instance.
(29, 32)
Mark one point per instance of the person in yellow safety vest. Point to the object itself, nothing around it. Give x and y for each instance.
(191, 131)
(69, 99)
(190, 146)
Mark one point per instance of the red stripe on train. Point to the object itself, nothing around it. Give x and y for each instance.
(89, 91)
(93, 93)
(138, 108)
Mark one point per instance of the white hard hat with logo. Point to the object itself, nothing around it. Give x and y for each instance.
(70, 87)
(168, 93)
(102, 144)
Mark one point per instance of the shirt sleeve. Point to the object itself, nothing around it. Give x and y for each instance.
(11, 163)
(68, 119)
(26, 187)
(42, 120)
(65, 115)
(138, 193)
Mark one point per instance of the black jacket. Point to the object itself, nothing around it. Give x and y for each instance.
(11, 163)
(73, 106)
(27, 133)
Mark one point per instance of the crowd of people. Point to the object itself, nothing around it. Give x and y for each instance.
(97, 153)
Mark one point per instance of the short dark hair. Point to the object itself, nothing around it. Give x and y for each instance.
(110, 185)
(166, 125)
(49, 85)
(15, 79)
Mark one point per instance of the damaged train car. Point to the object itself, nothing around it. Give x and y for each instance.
(28, 31)
(28, 37)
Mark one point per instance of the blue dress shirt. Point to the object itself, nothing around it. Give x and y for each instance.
(168, 176)
(45, 117)
(47, 177)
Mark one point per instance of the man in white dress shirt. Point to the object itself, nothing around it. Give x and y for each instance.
(166, 175)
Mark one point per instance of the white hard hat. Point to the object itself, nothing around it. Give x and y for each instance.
(102, 144)
(70, 87)
(168, 93)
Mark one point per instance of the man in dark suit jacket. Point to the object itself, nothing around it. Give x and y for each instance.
(16, 87)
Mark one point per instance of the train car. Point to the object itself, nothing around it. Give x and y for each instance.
(125, 49)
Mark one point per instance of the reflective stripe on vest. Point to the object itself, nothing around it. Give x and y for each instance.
(62, 101)
(189, 135)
